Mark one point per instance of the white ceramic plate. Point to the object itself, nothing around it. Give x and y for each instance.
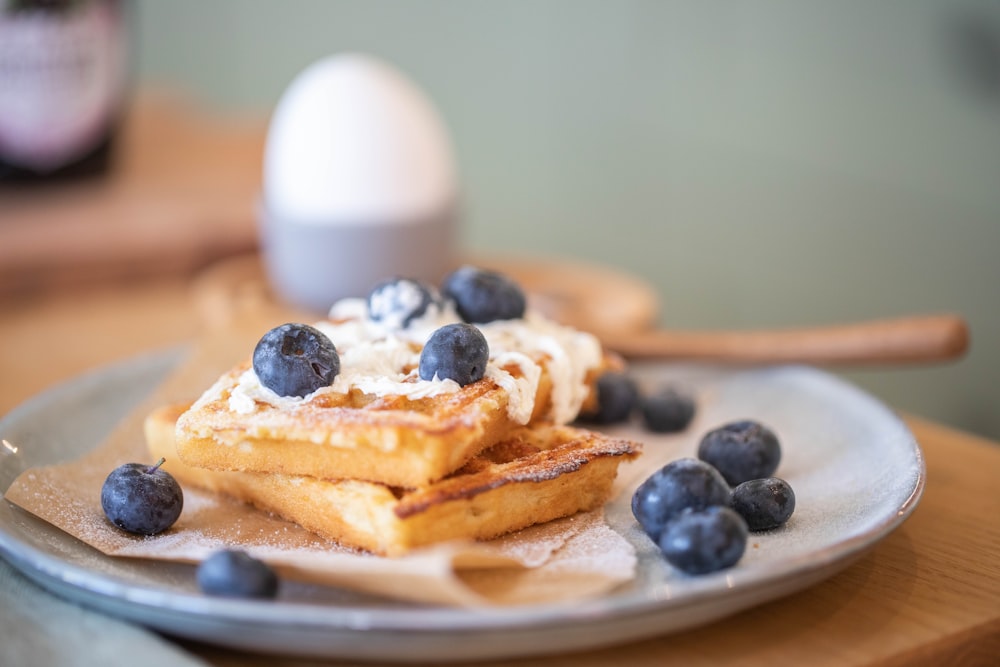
(856, 470)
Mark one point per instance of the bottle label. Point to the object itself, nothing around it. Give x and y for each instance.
(62, 80)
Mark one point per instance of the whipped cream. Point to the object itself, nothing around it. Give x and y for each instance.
(381, 359)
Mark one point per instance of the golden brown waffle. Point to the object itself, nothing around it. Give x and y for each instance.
(392, 439)
(532, 476)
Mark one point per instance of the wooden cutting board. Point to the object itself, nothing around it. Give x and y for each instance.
(589, 296)
(622, 310)
(180, 195)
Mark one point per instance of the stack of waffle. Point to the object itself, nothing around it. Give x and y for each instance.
(386, 462)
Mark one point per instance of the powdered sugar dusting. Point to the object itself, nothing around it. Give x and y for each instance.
(591, 561)
(535, 545)
(596, 548)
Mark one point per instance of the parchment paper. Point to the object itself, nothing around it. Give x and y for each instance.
(566, 559)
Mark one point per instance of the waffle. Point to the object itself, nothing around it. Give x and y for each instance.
(532, 476)
(382, 423)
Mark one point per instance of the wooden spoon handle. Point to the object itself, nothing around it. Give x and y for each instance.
(891, 341)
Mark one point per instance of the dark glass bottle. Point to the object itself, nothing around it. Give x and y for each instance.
(64, 67)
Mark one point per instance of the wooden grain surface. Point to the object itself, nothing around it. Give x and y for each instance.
(928, 594)
(101, 273)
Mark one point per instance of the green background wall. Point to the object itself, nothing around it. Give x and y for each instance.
(762, 164)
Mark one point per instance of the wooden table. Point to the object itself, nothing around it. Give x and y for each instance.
(928, 594)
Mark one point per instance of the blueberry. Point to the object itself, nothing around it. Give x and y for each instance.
(142, 499)
(616, 397)
(741, 450)
(482, 296)
(669, 410)
(398, 301)
(295, 360)
(764, 503)
(703, 541)
(681, 484)
(234, 573)
(455, 351)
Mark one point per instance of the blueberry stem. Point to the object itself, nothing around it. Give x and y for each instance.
(151, 469)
